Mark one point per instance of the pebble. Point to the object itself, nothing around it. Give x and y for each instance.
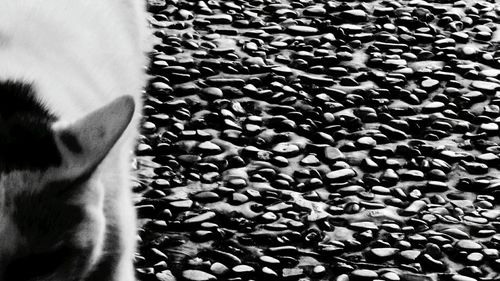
(414, 208)
(382, 254)
(340, 175)
(219, 19)
(302, 30)
(429, 84)
(212, 93)
(333, 154)
(354, 15)
(293, 273)
(363, 275)
(287, 150)
(408, 256)
(165, 275)
(310, 160)
(366, 142)
(243, 270)
(200, 218)
(197, 275)
(319, 270)
(484, 86)
(206, 196)
(362, 226)
(181, 205)
(433, 107)
(468, 245)
(218, 268)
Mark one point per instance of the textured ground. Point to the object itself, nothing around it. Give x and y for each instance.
(321, 140)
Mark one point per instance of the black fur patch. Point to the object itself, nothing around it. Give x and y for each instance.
(48, 222)
(71, 142)
(26, 140)
(45, 218)
(40, 264)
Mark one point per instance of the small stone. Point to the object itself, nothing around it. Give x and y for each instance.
(475, 219)
(431, 264)
(491, 214)
(206, 196)
(314, 11)
(197, 275)
(354, 15)
(493, 72)
(282, 70)
(485, 87)
(389, 177)
(287, 150)
(333, 154)
(148, 127)
(165, 275)
(211, 93)
(269, 217)
(412, 175)
(144, 149)
(366, 142)
(474, 167)
(319, 270)
(201, 218)
(238, 198)
(363, 275)
(292, 273)
(489, 128)
(393, 133)
(458, 277)
(415, 207)
(391, 276)
(429, 84)
(209, 148)
(310, 160)
(340, 175)
(269, 273)
(237, 183)
(243, 269)
(218, 268)
(468, 245)
(369, 165)
(475, 258)
(408, 256)
(181, 205)
(436, 186)
(362, 226)
(219, 19)
(433, 107)
(382, 254)
(225, 257)
(302, 30)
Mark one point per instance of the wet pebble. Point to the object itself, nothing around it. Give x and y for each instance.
(197, 275)
(340, 175)
(363, 275)
(302, 30)
(287, 150)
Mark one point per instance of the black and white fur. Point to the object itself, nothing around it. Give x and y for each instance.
(71, 74)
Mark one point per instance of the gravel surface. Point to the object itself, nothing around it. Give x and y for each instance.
(321, 140)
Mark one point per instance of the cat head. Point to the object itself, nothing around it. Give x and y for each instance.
(51, 210)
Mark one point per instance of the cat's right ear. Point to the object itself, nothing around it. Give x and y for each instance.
(83, 144)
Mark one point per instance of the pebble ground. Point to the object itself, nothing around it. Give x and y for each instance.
(321, 140)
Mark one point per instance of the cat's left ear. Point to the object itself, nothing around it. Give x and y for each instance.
(83, 144)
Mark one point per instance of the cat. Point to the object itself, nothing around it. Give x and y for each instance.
(71, 76)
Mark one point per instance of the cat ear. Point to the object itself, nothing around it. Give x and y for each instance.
(83, 144)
